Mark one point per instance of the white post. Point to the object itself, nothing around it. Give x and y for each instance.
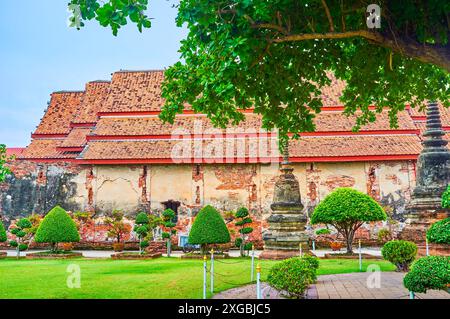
(258, 282)
(253, 263)
(300, 249)
(314, 245)
(212, 270)
(411, 295)
(204, 277)
(360, 257)
(426, 246)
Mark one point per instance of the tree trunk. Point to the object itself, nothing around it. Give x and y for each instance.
(349, 240)
(17, 249)
(168, 247)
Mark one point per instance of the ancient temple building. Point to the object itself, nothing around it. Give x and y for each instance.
(105, 148)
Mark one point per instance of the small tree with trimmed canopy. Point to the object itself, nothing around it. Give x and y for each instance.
(3, 236)
(20, 231)
(208, 228)
(57, 227)
(243, 222)
(347, 209)
(141, 228)
(167, 221)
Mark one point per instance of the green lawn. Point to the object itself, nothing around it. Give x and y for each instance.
(158, 278)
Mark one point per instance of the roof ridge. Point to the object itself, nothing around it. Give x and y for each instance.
(136, 71)
(68, 91)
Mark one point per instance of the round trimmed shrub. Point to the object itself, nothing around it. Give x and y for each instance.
(209, 228)
(400, 252)
(439, 232)
(57, 227)
(293, 275)
(23, 247)
(141, 218)
(431, 272)
(3, 237)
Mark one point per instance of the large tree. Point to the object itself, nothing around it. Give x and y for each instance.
(276, 56)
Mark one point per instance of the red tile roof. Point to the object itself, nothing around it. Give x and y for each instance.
(63, 107)
(45, 149)
(14, 151)
(124, 114)
(76, 137)
(133, 91)
(95, 96)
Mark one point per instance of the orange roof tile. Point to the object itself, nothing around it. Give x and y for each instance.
(95, 96)
(44, 149)
(62, 109)
(358, 145)
(194, 124)
(135, 91)
(76, 137)
(445, 113)
(302, 148)
(14, 151)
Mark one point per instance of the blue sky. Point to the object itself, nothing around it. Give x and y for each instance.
(39, 54)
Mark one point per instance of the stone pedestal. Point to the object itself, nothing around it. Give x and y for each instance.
(287, 221)
(433, 176)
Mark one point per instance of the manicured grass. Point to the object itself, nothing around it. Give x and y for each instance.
(157, 278)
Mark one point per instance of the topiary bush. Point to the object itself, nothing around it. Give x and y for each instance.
(347, 210)
(168, 217)
(243, 221)
(208, 228)
(3, 237)
(294, 275)
(20, 231)
(431, 272)
(439, 232)
(400, 252)
(57, 227)
(446, 198)
(141, 228)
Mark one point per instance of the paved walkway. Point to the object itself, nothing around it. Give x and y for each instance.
(343, 286)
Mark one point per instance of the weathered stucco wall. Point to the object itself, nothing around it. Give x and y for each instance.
(132, 188)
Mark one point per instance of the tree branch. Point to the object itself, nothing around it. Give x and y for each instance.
(330, 19)
(438, 55)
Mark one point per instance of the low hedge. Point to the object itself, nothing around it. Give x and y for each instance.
(294, 275)
(400, 252)
(439, 232)
(431, 272)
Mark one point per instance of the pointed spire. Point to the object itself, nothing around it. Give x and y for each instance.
(433, 141)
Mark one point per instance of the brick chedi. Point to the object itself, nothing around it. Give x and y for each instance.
(433, 176)
(287, 221)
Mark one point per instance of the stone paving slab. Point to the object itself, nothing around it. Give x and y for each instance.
(342, 286)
